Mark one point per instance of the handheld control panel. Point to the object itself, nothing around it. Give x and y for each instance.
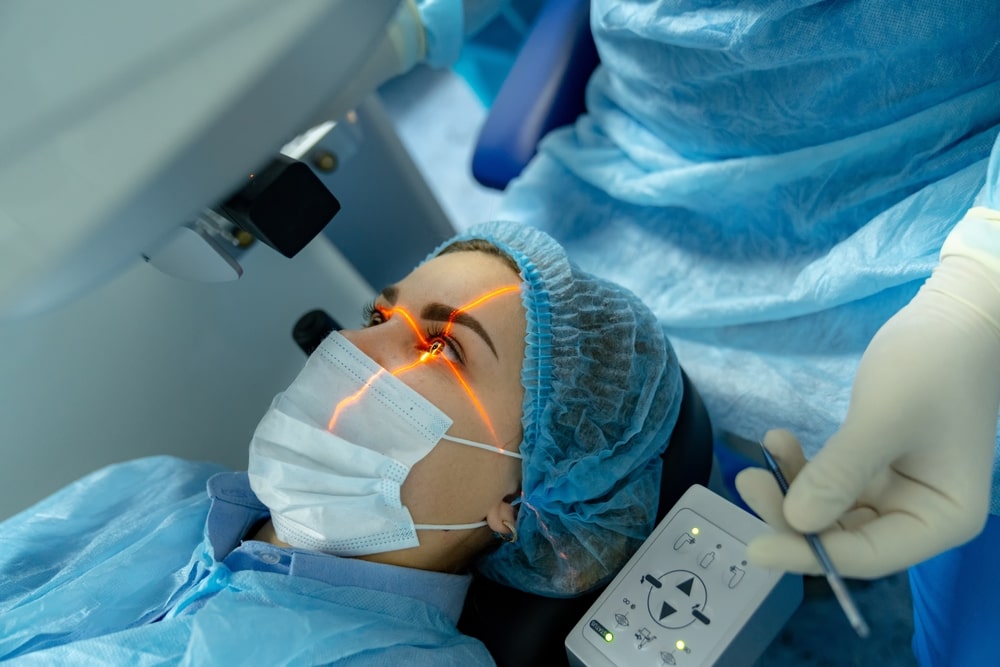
(689, 596)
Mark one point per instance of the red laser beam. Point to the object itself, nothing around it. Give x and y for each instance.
(412, 322)
(353, 398)
(500, 291)
(432, 351)
(475, 401)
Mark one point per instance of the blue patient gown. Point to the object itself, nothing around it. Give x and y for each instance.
(775, 178)
(137, 565)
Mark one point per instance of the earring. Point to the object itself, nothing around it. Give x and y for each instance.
(512, 537)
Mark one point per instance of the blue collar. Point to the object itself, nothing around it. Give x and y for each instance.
(235, 510)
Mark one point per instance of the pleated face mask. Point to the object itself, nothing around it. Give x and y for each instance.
(331, 453)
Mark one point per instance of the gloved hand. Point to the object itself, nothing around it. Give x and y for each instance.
(908, 474)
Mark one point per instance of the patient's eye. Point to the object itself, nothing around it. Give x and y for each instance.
(439, 343)
(373, 315)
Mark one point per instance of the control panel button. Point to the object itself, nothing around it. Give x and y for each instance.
(700, 616)
(670, 603)
(683, 541)
(643, 637)
(686, 595)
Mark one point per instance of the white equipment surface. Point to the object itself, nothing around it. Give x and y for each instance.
(146, 365)
(121, 120)
(688, 597)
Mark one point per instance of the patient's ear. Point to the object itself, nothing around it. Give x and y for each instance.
(502, 512)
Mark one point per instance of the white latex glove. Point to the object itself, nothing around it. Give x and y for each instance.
(908, 474)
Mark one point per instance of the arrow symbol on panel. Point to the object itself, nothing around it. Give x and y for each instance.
(685, 587)
(666, 610)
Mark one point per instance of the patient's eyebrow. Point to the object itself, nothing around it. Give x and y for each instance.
(439, 312)
(390, 293)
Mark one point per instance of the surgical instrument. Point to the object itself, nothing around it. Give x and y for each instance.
(837, 584)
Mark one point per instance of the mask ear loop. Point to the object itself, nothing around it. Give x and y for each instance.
(479, 445)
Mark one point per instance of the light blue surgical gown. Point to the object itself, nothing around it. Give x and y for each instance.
(775, 178)
(136, 564)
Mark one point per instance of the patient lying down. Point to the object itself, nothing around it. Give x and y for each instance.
(500, 412)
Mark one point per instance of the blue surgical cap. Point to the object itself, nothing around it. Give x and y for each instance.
(602, 390)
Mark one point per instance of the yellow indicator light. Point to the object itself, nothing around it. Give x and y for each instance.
(680, 644)
(608, 637)
(695, 531)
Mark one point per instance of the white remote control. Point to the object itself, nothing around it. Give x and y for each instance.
(688, 596)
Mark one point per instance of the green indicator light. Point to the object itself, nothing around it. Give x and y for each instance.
(604, 633)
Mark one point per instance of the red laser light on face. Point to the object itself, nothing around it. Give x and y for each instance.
(432, 351)
(405, 314)
(500, 291)
(475, 401)
(353, 398)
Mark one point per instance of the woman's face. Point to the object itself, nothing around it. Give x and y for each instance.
(454, 330)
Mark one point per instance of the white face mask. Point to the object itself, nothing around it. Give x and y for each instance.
(339, 492)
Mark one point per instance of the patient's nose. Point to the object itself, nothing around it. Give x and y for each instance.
(391, 344)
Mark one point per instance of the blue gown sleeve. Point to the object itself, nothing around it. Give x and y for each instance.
(448, 22)
(977, 235)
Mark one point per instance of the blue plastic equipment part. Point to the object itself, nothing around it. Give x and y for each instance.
(544, 90)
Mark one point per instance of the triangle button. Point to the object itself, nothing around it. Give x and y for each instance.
(685, 587)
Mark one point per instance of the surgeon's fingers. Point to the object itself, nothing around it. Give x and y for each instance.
(760, 491)
(872, 549)
(784, 551)
(832, 481)
(785, 448)
(853, 519)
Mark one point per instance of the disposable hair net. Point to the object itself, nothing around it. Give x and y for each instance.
(602, 390)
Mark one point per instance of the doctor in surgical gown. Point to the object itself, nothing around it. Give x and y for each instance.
(777, 179)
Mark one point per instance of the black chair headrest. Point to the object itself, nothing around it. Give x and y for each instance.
(521, 629)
